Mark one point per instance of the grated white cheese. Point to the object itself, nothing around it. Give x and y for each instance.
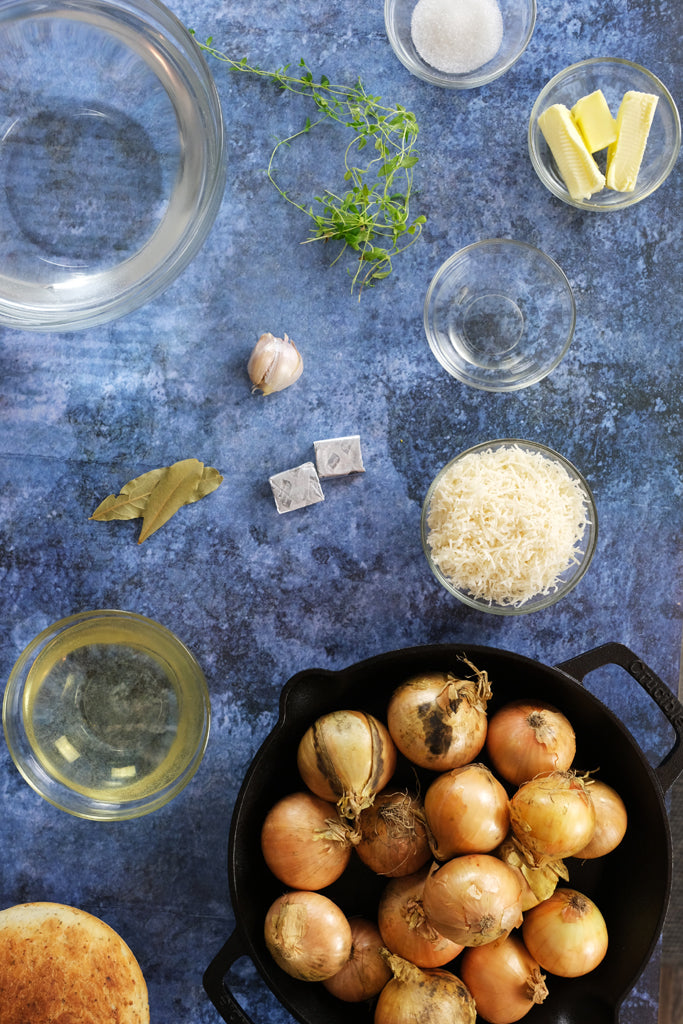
(505, 523)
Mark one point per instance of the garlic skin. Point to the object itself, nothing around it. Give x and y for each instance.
(274, 364)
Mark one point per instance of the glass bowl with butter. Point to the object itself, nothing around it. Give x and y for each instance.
(604, 134)
(459, 44)
(499, 315)
(106, 715)
(509, 526)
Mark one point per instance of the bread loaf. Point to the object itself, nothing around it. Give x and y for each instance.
(61, 964)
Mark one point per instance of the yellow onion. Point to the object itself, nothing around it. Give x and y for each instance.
(473, 899)
(434, 996)
(347, 757)
(467, 812)
(304, 841)
(393, 837)
(438, 720)
(404, 927)
(553, 816)
(307, 935)
(504, 980)
(611, 820)
(526, 738)
(537, 882)
(566, 934)
(366, 972)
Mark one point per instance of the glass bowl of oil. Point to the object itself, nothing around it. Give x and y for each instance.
(106, 715)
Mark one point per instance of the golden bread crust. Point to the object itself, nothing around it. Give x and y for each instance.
(61, 965)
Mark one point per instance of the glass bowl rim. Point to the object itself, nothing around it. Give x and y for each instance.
(46, 785)
(511, 244)
(591, 534)
(467, 80)
(630, 199)
(180, 49)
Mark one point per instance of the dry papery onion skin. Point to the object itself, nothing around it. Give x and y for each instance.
(404, 927)
(526, 738)
(473, 899)
(304, 841)
(347, 757)
(566, 934)
(365, 973)
(425, 996)
(504, 980)
(438, 719)
(467, 811)
(307, 935)
(611, 821)
(553, 816)
(537, 882)
(392, 834)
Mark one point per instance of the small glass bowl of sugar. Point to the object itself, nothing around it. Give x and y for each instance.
(459, 44)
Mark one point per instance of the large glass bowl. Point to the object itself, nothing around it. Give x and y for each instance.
(519, 19)
(614, 76)
(490, 544)
(106, 715)
(112, 162)
(499, 315)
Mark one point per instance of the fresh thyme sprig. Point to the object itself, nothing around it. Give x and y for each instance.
(372, 217)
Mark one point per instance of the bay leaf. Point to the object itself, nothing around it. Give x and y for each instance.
(172, 486)
(131, 500)
(173, 490)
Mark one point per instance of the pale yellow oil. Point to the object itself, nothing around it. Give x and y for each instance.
(106, 713)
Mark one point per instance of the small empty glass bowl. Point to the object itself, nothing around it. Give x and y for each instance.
(614, 77)
(499, 315)
(518, 21)
(112, 163)
(106, 715)
(509, 527)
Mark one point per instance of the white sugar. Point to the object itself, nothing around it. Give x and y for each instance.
(457, 36)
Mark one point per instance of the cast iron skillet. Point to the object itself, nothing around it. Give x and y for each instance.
(631, 885)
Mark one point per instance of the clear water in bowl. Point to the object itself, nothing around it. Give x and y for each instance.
(100, 153)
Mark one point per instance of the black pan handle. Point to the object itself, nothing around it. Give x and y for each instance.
(214, 981)
(617, 654)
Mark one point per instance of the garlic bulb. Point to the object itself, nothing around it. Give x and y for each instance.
(274, 364)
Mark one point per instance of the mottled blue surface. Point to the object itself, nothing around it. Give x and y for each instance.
(258, 596)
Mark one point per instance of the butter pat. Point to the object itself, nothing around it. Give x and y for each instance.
(594, 120)
(296, 488)
(338, 456)
(625, 155)
(579, 171)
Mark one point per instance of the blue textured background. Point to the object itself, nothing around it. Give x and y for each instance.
(257, 596)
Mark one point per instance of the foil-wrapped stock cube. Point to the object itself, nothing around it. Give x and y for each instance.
(296, 488)
(338, 456)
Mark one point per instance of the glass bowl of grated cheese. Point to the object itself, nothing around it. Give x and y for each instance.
(459, 44)
(509, 526)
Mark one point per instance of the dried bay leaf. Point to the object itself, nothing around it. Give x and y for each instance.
(132, 499)
(158, 494)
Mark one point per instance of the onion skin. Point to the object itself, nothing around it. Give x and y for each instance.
(366, 972)
(552, 816)
(347, 757)
(537, 882)
(393, 835)
(504, 980)
(416, 996)
(404, 927)
(307, 935)
(526, 738)
(611, 821)
(438, 720)
(566, 934)
(467, 812)
(473, 899)
(304, 842)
